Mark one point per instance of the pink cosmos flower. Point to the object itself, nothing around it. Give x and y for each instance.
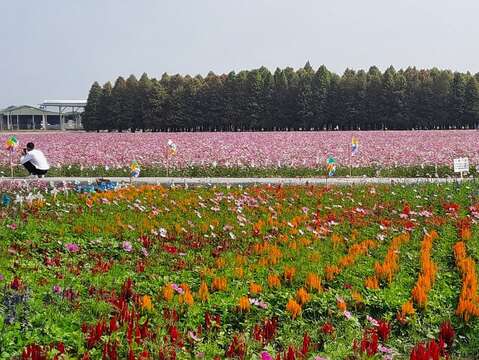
(72, 247)
(57, 289)
(177, 288)
(347, 314)
(127, 246)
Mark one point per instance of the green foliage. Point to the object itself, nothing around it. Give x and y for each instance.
(288, 100)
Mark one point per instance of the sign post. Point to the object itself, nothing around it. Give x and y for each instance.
(461, 165)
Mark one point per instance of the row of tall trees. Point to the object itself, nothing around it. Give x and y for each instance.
(287, 100)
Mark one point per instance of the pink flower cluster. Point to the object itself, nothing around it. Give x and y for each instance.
(257, 149)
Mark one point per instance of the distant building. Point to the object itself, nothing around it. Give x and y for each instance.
(27, 117)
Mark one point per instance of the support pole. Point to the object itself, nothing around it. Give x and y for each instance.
(18, 123)
(33, 122)
(44, 122)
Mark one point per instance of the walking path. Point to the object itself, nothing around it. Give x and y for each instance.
(247, 181)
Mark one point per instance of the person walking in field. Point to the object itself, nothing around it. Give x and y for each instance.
(34, 161)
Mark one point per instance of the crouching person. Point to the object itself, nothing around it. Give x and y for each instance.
(34, 161)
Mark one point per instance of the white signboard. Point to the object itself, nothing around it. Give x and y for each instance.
(461, 165)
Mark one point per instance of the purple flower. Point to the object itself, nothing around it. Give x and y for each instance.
(319, 358)
(127, 246)
(144, 252)
(373, 321)
(347, 314)
(72, 247)
(57, 289)
(259, 303)
(178, 289)
(2, 277)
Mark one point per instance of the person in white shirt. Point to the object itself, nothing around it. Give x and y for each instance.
(34, 161)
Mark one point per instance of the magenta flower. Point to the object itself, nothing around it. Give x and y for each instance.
(13, 226)
(347, 315)
(2, 277)
(72, 247)
(266, 356)
(57, 289)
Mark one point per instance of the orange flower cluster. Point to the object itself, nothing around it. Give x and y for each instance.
(168, 292)
(274, 281)
(146, 303)
(407, 309)
(289, 273)
(354, 251)
(219, 284)
(341, 305)
(428, 271)
(186, 297)
(271, 252)
(302, 296)
(337, 240)
(239, 273)
(293, 308)
(203, 292)
(313, 282)
(371, 282)
(255, 288)
(468, 299)
(244, 304)
(390, 266)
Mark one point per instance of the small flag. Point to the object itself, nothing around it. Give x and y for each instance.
(331, 166)
(135, 169)
(354, 146)
(172, 147)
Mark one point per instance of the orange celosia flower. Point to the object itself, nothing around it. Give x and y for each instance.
(274, 281)
(390, 266)
(341, 305)
(220, 263)
(407, 309)
(293, 308)
(331, 271)
(186, 298)
(313, 282)
(371, 283)
(146, 303)
(219, 284)
(240, 260)
(302, 296)
(168, 292)
(289, 273)
(203, 292)
(314, 256)
(255, 288)
(468, 299)
(239, 273)
(244, 304)
(337, 240)
(428, 271)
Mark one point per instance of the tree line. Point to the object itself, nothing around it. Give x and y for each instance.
(287, 99)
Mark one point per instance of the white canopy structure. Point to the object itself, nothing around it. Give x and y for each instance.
(76, 106)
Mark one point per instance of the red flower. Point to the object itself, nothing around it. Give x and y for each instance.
(327, 328)
(447, 333)
(383, 329)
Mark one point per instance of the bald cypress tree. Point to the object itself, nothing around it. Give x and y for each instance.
(91, 115)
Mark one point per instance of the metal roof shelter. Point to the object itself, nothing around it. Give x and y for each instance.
(63, 105)
(24, 115)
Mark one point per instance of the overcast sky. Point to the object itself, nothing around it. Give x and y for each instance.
(55, 49)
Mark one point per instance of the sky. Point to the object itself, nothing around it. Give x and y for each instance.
(55, 49)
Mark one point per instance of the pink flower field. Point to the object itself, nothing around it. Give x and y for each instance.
(256, 149)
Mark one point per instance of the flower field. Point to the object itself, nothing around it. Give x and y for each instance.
(252, 151)
(240, 273)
